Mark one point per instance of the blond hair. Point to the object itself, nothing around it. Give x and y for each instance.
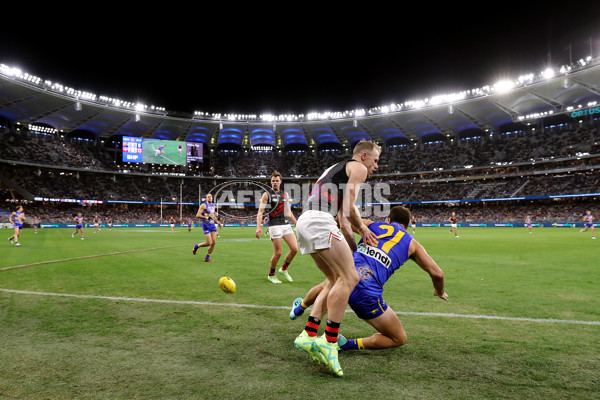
(366, 145)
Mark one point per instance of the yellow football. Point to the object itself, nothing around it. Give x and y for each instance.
(227, 284)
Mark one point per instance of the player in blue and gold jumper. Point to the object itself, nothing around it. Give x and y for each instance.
(375, 265)
(207, 213)
(588, 218)
(17, 218)
(78, 225)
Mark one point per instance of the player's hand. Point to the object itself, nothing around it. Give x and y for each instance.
(444, 296)
(368, 236)
(258, 233)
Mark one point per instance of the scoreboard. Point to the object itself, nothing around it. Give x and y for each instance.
(157, 151)
(132, 149)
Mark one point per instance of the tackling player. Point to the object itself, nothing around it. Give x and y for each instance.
(280, 215)
(207, 213)
(375, 264)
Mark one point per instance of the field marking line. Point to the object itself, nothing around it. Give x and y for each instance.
(90, 256)
(210, 303)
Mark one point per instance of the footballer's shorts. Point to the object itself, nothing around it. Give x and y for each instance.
(279, 231)
(453, 225)
(208, 228)
(316, 230)
(589, 224)
(365, 305)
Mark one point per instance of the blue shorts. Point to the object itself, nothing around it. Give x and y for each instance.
(17, 225)
(367, 306)
(78, 226)
(589, 224)
(209, 228)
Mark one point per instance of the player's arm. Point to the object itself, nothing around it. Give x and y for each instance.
(288, 211)
(357, 174)
(200, 211)
(420, 256)
(11, 218)
(259, 217)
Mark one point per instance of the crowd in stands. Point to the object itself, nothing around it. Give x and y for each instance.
(480, 168)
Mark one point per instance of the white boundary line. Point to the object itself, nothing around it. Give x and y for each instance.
(209, 303)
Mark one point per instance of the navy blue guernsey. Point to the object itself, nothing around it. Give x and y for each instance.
(328, 193)
(376, 264)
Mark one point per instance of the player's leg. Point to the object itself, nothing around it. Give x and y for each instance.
(390, 333)
(212, 236)
(277, 250)
(300, 304)
(290, 240)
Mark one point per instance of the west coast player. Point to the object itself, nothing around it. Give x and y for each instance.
(588, 218)
(207, 214)
(17, 218)
(78, 225)
(279, 227)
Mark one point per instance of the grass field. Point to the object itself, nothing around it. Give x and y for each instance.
(170, 153)
(132, 314)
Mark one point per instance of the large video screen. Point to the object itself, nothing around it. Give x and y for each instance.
(157, 151)
(132, 149)
(195, 152)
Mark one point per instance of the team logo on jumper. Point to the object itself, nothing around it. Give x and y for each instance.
(374, 253)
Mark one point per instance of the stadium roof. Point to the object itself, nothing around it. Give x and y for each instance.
(26, 101)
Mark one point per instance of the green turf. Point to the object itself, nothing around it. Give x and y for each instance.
(522, 320)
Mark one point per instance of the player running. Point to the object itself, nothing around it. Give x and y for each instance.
(588, 218)
(453, 219)
(375, 264)
(36, 224)
(207, 213)
(17, 218)
(528, 223)
(78, 225)
(280, 215)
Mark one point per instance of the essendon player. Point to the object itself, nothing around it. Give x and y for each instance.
(453, 219)
(334, 196)
(279, 216)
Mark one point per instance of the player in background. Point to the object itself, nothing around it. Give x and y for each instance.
(180, 149)
(334, 195)
(96, 223)
(528, 223)
(36, 224)
(375, 266)
(588, 218)
(109, 221)
(207, 213)
(172, 224)
(78, 225)
(453, 219)
(413, 224)
(280, 215)
(190, 224)
(17, 218)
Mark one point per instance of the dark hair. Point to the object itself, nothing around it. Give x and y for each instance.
(401, 215)
(276, 174)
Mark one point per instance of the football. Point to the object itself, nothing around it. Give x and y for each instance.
(227, 284)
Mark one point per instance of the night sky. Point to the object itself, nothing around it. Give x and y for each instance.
(307, 62)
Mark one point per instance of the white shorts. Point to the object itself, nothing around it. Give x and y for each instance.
(315, 231)
(279, 231)
(453, 225)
